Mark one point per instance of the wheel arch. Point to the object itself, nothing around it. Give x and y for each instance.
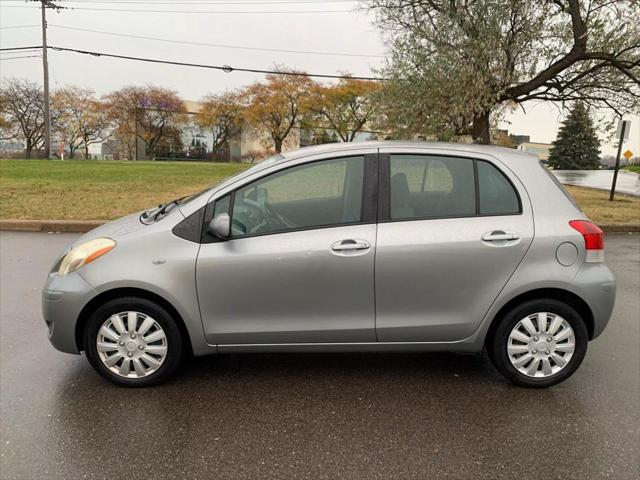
(559, 294)
(108, 295)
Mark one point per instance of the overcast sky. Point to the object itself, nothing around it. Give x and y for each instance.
(334, 27)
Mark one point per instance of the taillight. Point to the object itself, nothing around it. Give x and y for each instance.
(593, 239)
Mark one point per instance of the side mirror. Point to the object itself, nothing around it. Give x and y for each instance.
(220, 226)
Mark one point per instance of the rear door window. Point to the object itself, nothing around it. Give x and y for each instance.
(426, 186)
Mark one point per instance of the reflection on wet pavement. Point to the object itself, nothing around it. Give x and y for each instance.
(627, 182)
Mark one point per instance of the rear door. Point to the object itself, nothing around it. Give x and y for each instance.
(452, 231)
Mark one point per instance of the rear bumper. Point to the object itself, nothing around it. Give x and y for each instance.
(596, 285)
(63, 298)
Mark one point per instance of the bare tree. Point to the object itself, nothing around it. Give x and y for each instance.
(21, 110)
(222, 115)
(151, 114)
(81, 119)
(344, 107)
(277, 104)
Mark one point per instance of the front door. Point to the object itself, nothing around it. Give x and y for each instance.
(299, 266)
(452, 232)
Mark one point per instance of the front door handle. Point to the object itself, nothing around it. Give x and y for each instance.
(499, 235)
(347, 245)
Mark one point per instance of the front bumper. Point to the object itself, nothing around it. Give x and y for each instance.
(63, 298)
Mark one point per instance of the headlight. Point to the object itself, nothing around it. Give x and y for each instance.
(85, 253)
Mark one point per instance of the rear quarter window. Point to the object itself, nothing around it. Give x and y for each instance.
(496, 194)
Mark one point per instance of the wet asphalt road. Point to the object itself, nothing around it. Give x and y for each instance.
(311, 416)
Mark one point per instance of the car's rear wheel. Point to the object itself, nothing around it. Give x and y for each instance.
(133, 342)
(539, 343)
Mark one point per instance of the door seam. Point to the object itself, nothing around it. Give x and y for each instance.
(375, 250)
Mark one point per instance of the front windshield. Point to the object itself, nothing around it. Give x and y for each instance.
(193, 196)
(189, 198)
(258, 166)
(264, 164)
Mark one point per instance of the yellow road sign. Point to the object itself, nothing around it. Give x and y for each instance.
(628, 154)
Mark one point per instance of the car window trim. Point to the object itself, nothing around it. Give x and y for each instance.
(384, 189)
(368, 214)
(476, 185)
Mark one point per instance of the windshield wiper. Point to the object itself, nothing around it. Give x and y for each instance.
(160, 210)
(168, 206)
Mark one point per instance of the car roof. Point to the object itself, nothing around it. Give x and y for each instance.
(404, 144)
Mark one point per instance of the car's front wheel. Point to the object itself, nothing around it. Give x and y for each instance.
(539, 343)
(133, 342)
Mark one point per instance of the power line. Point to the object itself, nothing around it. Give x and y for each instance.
(12, 52)
(18, 26)
(13, 49)
(216, 12)
(224, 68)
(212, 2)
(215, 45)
(2, 59)
(8, 54)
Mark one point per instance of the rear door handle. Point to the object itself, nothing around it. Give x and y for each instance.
(347, 245)
(499, 235)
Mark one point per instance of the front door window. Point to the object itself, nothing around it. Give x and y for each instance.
(315, 195)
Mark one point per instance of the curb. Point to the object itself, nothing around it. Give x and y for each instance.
(629, 228)
(82, 226)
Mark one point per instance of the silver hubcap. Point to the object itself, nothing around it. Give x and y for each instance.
(132, 344)
(541, 344)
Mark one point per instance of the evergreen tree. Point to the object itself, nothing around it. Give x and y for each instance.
(577, 146)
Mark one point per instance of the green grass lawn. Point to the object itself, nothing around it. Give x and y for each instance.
(633, 168)
(624, 209)
(103, 190)
(100, 190)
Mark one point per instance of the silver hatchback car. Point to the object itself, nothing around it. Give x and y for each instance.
(377, 246)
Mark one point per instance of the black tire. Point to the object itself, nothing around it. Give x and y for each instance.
(147, 307)
(497, 343)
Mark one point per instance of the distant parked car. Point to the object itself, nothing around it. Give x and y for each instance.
(347, 247)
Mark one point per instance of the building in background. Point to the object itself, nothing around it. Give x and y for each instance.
(12, 149)
(609, 161)
(519, 139)
(250, 144)
(540, 149)
(503, 138)
(109, 150)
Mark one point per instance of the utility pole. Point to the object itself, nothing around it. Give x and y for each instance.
(135, 138)
(45, 66)
(623, 126)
